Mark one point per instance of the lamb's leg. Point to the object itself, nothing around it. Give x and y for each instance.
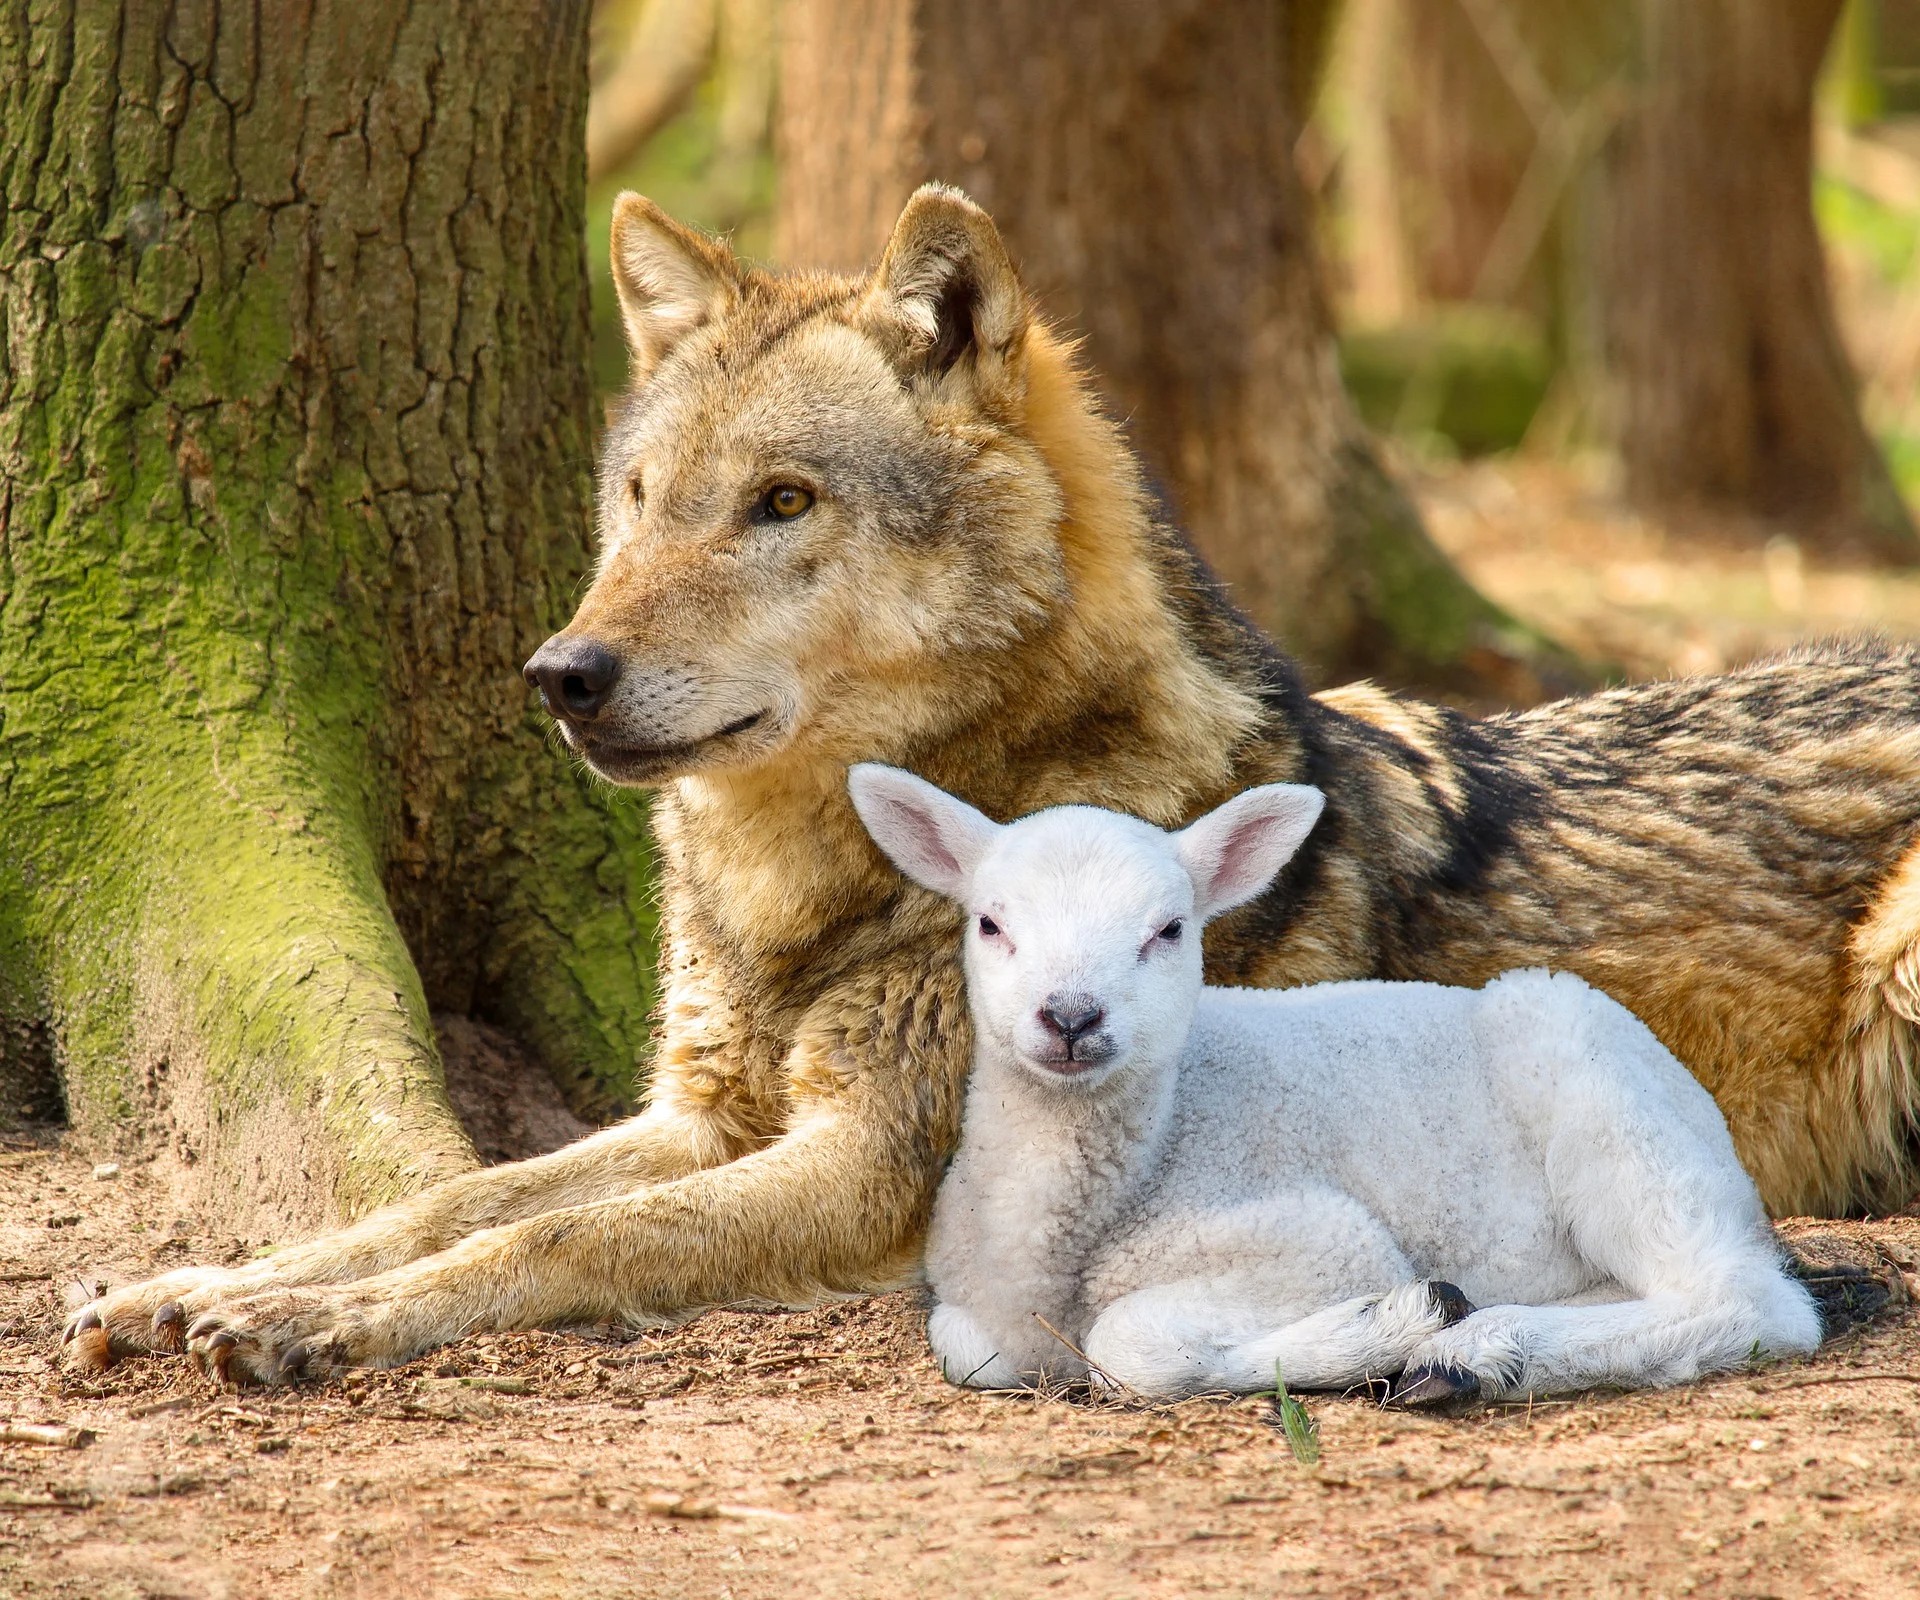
(973, 1358)
(1644, 1176)
(1663, 1339)
(657, 1145)
(1169, 1341)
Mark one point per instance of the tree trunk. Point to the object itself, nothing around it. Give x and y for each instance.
(1460, 143)
(294, 445)
(1733, 390)
(1138, 157)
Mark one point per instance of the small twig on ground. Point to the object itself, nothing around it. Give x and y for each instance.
(793, 1360)
(25, 1277)
(56, 1500)
(1104, 1378)
(54, 1433)
(153, 1408)
(1845, 1377)
(481, 1381)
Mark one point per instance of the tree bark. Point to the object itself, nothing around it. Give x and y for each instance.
(1138, 157)
(1733, 389)
(294, 446)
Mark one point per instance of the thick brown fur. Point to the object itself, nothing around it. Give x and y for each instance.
(980, 590)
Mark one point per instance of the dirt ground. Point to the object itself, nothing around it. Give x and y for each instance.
(791, 1455)
(819, 1453)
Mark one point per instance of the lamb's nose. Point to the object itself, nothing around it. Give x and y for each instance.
(1071, 1016)
(574, 676)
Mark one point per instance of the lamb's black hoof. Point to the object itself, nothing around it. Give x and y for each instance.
(1447, 1299)
(1434, 1388)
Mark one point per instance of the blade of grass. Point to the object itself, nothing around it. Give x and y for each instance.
(1296, 1422)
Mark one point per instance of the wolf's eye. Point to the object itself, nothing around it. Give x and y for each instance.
(1171, 932)
(989, 929)
(786, 501)
(637, 494)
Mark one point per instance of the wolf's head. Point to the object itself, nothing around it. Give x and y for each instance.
(816, 490)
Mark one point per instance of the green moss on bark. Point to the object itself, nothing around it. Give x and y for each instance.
(294, 444)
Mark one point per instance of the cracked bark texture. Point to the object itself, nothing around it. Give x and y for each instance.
(295, 441)
(1138, 156)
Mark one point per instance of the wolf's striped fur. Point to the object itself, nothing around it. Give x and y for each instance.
(979, 590)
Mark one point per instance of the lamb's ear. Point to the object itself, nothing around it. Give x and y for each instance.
(945, 297)
(1233, 852)
(670, 279)
(933, 838)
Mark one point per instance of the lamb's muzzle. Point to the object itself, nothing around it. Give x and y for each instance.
(1320, 1183)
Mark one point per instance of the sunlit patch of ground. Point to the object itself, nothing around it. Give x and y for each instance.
(1553, 544)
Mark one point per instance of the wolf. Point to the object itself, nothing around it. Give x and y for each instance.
(883, 518)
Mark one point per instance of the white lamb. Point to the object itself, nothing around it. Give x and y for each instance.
(1202, 1187)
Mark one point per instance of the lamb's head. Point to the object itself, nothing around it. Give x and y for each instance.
(1083, 933)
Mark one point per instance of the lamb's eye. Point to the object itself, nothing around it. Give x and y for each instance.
(786, 501)
(1171, 932)
(989, 929)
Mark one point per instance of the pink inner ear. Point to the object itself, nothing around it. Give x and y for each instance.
(925, 832)
(1236, 863)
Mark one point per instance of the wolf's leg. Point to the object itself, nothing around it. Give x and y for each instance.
(836, 1206)
(661, 1143)
(1168, 1341)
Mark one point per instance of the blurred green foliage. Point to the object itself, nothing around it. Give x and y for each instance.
(678, 169)
(1467, 379)
(1878, 247)
(1854, 220)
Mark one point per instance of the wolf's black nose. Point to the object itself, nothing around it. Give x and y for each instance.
(1071, 1016)
(574, 676)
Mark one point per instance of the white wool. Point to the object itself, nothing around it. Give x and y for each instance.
(1207, 1186)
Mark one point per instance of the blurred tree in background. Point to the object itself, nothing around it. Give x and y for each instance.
(1636, 180)
(1139, 158)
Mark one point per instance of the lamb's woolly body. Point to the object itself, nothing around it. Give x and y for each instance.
(1275, 1187)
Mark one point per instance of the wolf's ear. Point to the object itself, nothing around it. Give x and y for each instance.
(669, 278)
(1234, 851)
(933, 838)
(946, 298)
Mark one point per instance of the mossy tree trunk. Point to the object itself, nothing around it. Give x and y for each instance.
(1138, 156)
(294, 459)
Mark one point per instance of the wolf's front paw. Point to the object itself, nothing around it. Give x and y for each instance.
(151, 1316)
(281, 1336)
